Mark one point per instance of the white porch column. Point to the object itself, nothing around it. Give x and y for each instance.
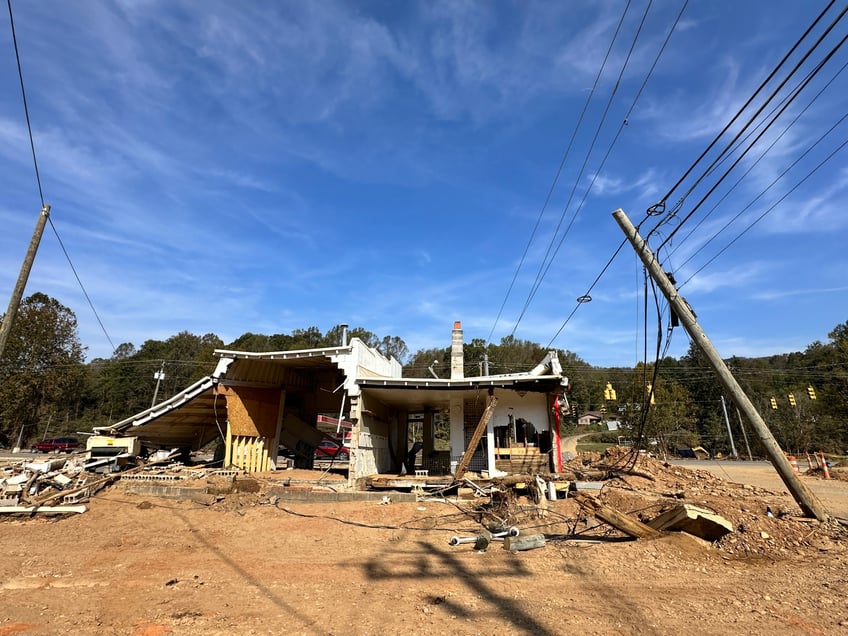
(490, 448)
(457, 429)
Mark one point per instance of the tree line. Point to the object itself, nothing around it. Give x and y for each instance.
(47, 388)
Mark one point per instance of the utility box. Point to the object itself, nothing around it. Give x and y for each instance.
(107, 446)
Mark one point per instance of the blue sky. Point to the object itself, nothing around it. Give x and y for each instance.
(266, 166)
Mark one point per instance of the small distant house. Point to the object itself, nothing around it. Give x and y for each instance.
(589, 417)
(254, 402)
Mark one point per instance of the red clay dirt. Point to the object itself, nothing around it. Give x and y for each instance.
(249, 563)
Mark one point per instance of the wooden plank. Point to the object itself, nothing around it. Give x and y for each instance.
(475, 439)
(47, 510)
(618, 520)
(518, 451)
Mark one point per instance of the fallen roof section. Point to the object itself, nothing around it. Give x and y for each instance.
(186, 420)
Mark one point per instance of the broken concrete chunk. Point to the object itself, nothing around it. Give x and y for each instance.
(524, 542)
(693, 520)
(46, 466)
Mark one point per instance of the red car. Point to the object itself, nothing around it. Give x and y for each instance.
(329, 449)
(56, 445)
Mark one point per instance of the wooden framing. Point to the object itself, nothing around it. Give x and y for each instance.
(252, 427)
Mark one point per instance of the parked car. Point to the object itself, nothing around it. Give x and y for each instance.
(56, 445)
(329, 449)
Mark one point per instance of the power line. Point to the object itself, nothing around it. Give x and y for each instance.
(559, 172)
(549, 257)
(23, 96)
(614, 140)
(768, 210)
(659, 207)
(608, 152)
(765, 129)
(753, 165)
(38, 175)
(588, 291)
(82, 287)
(751, 168)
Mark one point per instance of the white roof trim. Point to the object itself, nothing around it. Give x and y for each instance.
(158, 410)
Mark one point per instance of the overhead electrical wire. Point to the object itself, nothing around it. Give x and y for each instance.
(754, 165)
(614, 140)
(759, 136)
(773, 116)
(26, 106)
(606, 156)
(772, 207)
(559, 171)
(38, 174)
(588, 291)
(660, 207)
(548, 257)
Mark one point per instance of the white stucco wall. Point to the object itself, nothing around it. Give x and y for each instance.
(363, 360)
(533, 407)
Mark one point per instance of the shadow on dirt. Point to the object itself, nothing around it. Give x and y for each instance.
(245, 575)
(429, 562)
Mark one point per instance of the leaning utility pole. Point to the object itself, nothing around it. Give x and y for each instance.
(17, 294)
(808, 502)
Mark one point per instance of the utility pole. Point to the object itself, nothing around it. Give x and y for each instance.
(23, 276)
(729, 433)
(745, 435)
(807, 501)
(158, 376)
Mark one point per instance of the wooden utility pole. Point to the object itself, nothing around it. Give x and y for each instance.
(729, 432)
(808, 502)
(17, 294)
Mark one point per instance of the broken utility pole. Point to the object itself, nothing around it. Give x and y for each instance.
(808, 502)
(23, 276)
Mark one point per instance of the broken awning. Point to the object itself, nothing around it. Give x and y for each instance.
(190, 419)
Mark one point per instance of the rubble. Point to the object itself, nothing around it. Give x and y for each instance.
(609, 496)
(699, 522)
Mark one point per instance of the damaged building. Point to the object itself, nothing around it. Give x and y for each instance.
(259, 405)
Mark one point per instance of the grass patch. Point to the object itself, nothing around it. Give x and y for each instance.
(593, 447)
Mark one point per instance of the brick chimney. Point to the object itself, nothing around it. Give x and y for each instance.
(457, 358)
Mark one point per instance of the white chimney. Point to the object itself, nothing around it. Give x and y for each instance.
(457, 358)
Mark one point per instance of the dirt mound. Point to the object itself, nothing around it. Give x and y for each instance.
(765, 522)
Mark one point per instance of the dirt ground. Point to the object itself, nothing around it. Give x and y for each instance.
(247, 562)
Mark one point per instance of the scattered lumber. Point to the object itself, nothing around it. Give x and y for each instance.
(618, 520)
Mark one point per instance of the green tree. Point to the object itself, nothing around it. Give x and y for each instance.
(42, 377)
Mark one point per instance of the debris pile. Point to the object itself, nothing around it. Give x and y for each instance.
(633, 495)
(53, 486)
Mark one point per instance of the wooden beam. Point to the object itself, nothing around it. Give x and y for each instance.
(618, 520)
(475, 439)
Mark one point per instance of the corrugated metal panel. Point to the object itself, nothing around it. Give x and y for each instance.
(189, 419)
